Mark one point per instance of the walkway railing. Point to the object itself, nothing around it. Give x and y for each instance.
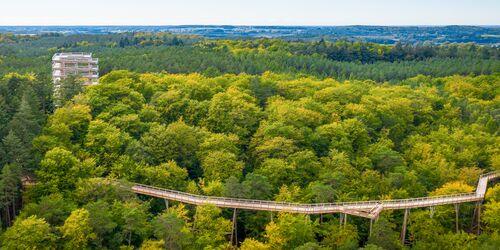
(369, 209)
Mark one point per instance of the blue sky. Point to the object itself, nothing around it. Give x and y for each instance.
(249, 12)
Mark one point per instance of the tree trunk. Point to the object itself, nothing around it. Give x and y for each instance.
(14, 207)
(8, 215)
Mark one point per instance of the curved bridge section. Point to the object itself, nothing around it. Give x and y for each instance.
(367, 209)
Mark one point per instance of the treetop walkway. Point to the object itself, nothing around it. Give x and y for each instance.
(369, 209)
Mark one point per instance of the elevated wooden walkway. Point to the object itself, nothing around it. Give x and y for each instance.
(367, 209)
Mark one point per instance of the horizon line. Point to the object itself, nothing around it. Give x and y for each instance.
(244, 25)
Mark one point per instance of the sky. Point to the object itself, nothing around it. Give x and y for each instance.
(250, 12)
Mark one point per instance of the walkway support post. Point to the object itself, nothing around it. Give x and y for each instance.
(345, 220)
(478, 217)
(234, 232)
(473, 221)
(166, 204)
(371, 227)
(456, 217)
(403, 230)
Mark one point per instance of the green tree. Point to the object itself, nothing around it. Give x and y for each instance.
(14, 151)
(105, 141)
(321, 193)
(29, 233)
(153, 245)
(233, 188)
(172, 228)
(59, 170)
(276, 147)
(177, 141)
(383, 157)
(426, 231)
(491, 216)
(168, 175)
(105, 97)
(10, 187)
(233, 111)
(52, 208)
(68, 88)
(103, 224)
(278, 171)
(76, 116)
(252, 244)
(26, 122)
(493, 193)
(383, 234)
(210, 229)
(220, 165)
(77, 231)
(256, 187)
(371, 247)
(309, 246)
(4, 116)
(105, 189)
(132, 217)
(290, 231)
(219, 142)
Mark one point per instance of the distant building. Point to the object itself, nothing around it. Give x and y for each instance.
(75, 64)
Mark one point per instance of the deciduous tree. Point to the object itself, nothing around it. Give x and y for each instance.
(29, 233)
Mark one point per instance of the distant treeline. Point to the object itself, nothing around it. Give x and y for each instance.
(364, 52)
(152, 52)
(59, 41)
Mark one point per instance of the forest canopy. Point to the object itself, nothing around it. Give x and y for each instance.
(288, 121)
(270, 136)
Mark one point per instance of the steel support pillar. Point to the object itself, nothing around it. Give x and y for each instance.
(473, 222)
(345, 220)
(456, 217)
(166, 204)
(371, 227)
(432, 210)
(234, 232)
(403, 229)
(478, 217)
